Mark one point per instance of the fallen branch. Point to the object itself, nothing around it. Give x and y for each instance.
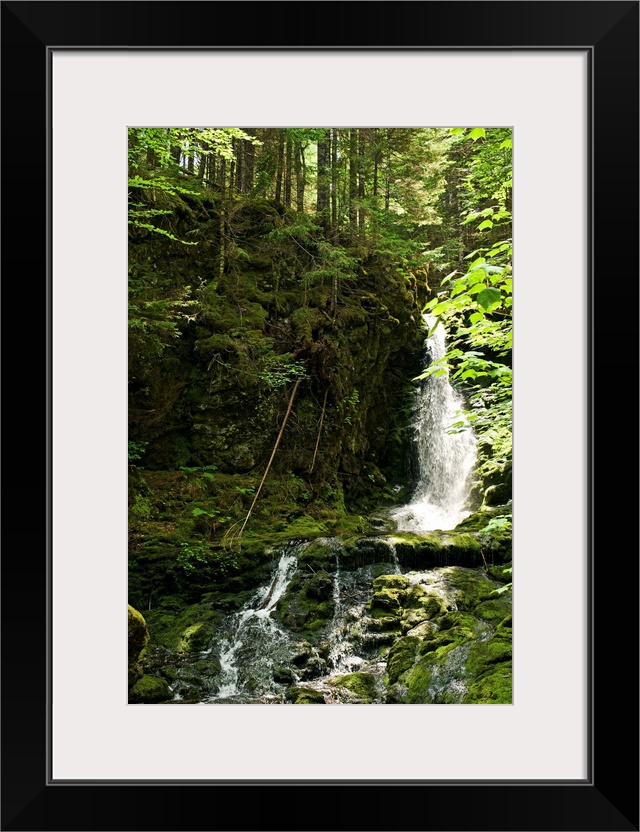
(484, 561)
(324, 407)
(273, 453)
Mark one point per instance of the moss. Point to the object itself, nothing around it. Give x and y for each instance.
(185, 630)
(138, 637)
(283, 675)
(472, 586)
(418, 684)
(492, 689)
(454, 636)
(505, 628)
(306, 696)
(363, 685)
(149, 689)
(401, 657)
(483, 655)
(389, 592)
(307, 605)
(195, 638)
(495, 610)
(499, 573)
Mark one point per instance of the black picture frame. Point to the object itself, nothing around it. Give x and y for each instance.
(608, 798)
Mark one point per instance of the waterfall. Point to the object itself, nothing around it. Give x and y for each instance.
(346, 627)
(445, 460)
(254, 640)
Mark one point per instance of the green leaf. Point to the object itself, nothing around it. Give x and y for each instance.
(485, 224)
(477, 133)
(488, 297)
(433, 328)
(477, 316)
(456, 131)
(440, 308)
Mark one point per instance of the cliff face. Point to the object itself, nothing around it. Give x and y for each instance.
(218, 342)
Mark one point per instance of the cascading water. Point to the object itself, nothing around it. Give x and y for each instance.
(445, 460)
(254, 641)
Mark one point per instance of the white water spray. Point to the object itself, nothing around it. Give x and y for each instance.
(445, 460)
(255, 634)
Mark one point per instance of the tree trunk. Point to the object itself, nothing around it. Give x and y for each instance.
(387, 184)
(353, 180)
(322, 205)
(299, 180)
(361, 175)
(376, 161)
(222, 181)
(232, 170)
(239, 148)
(287, 173)
(334, 179)
(279, 165)
(249, 163)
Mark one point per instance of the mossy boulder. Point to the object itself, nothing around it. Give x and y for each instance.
(172, 626)
(389, 592)
(195, 638)
(138, 637)
(307, 606)
(320, 586)
(149, 689)
(490, 666)
(401, 657)
(306, 696)
(361, 684)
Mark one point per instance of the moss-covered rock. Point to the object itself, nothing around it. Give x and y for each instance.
(195, 638)
(149, 689)
(361, 684)
(472, 587)
(138, 637)
(492, 689)
(306, 696)
(389, 592)
(182, 629)
(401, 657)
(307, 606)
(494, 610)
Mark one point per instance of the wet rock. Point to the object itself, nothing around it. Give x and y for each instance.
(138, 637)
(149, 689)
(306, 696)
(361, 684)
(195, 638)
(401, 657)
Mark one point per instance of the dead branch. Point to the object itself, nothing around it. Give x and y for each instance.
(273, 453)
(324, 406)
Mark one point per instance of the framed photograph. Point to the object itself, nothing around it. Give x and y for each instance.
(353, 112)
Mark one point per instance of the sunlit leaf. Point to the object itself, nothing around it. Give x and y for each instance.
(488, 297)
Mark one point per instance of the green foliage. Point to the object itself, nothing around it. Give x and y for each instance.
(351, 405)
(507, 587)
(476, 305)
(500, 523)
(277, 376)
(136, 450)
(190, 556)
